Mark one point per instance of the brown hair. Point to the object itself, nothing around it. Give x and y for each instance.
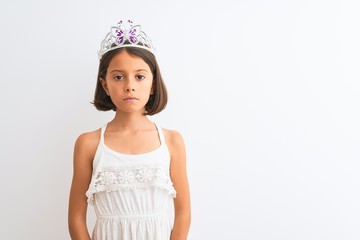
(157, 101)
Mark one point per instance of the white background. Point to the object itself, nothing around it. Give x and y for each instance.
(265, 94)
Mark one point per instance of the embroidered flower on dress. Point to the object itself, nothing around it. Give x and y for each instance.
(144, 175)
(125, 177)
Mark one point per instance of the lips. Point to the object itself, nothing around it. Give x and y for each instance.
(130, 99)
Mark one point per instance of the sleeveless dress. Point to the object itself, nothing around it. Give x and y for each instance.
(131, 194)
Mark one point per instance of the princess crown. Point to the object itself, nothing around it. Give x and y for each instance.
(125, 34)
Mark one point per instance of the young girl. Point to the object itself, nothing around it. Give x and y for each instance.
(131, 169)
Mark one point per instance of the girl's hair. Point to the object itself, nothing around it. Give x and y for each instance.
(157, 101)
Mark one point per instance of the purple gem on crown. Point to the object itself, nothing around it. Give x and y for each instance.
(132, 35)
(120, 36)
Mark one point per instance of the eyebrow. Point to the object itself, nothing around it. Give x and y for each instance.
(139, 70)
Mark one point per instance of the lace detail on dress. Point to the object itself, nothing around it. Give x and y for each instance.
(129, 178)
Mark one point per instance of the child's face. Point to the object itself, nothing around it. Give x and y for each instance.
(128, 82)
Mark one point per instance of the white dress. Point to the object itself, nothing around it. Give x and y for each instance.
(131, 194)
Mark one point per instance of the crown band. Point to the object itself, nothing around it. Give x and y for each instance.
(125, 34)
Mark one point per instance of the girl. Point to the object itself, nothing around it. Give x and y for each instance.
(131, 170)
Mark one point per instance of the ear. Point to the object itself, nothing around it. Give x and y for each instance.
(104, 85)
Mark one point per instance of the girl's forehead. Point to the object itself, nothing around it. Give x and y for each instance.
(125, 61)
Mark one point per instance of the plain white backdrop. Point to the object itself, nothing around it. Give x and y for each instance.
(265, 94)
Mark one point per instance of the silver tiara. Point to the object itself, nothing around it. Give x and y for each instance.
(125, 34)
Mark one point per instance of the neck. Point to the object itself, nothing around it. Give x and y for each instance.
(130, 121)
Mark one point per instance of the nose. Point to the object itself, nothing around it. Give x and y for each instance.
(129, 87)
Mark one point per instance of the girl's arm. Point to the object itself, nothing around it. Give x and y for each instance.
(181, 185)
(84, 152)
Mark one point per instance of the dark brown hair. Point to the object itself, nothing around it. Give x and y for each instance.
(157, 101)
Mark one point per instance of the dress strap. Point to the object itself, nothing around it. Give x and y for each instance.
(102, 134)
(97, 156)
(161, 134)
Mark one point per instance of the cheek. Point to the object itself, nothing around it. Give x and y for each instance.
(148, 86)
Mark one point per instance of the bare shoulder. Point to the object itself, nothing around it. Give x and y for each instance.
(86, 144)
(88, 139)
(174, 140)
(173, 136)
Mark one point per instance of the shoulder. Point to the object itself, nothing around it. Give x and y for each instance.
(174, 140)
(88, 139)
(86, 143)
(173, 136)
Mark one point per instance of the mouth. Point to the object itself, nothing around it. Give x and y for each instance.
(130, 99)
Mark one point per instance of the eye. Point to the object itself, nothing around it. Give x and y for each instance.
(118, 77)
(140, 77)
